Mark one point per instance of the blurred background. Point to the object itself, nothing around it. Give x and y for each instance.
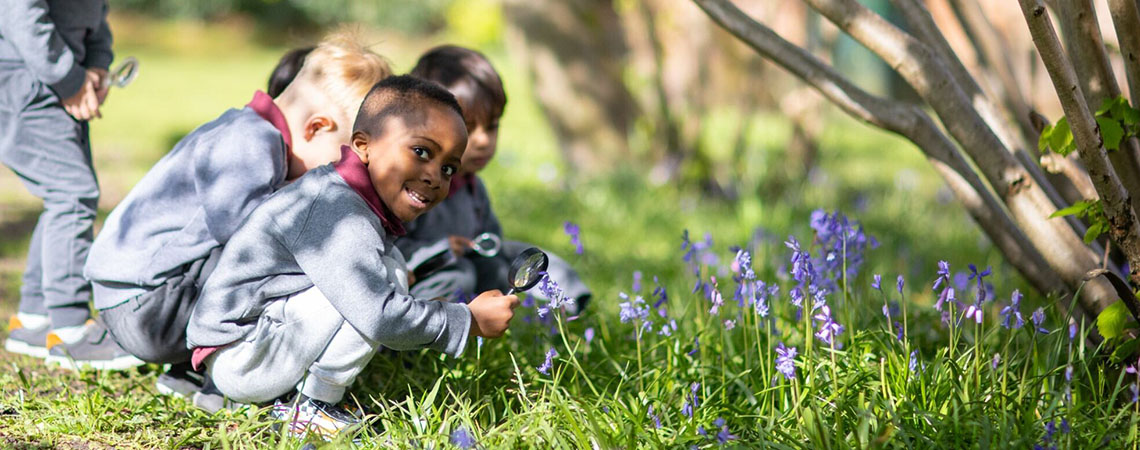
(636, 119)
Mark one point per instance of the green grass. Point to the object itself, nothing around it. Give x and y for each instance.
(861, 394)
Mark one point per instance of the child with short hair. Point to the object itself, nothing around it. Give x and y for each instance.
(53, 62)
(286, 70)
(160, 244)
(311, 285)
(466, 213)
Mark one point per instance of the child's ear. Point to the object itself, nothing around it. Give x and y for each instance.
(359, 144)
(316, 124)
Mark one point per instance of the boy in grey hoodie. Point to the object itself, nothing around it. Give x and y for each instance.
(311, 285)
(54, 56)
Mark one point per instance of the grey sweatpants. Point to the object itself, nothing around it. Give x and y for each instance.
(152, 325)
(50, 153)
(301, 341)
(469, 277)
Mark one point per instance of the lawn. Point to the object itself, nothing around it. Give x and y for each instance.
(667, 354)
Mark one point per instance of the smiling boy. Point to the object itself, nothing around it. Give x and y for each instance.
(311, 285)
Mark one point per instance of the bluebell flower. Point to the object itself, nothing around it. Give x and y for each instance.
(979, 276)
(797, 297)
(996, 361)
(898, 331)
(551, 290)
(696, 347)
(588, 334)
(913, 361)
(691, 401)
(786, 360)
(943, 274)
(742, 264)
(828, 328)
(729, 324)
(462, 439)
(1038, 319)
(899, 284)
(723, 436)
(1069, 373)
(632, 310)
(549, 362)
(572, 230)
(877, 282)
(1135, 392)
(636, 281)
(1011, 315)
(947, 295)
(1065, 426)
(656, 420)
(1072, 330)
(974, 311)
(801, 261)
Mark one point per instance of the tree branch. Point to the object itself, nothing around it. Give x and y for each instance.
(1126, 20)
(1124, 229)
(1026, 200)
(907, 120)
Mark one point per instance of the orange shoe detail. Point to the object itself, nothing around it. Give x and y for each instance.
(53, 340)
(14, 324)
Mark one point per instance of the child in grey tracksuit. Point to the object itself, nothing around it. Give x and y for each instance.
(54, 56)
(311, 285)
(160, 244)
(467, 211)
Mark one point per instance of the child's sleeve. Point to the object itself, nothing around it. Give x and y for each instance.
(342, 254)
(27, 26)
(99, 54)
(234, 174)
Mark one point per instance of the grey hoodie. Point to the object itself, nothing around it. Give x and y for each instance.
(57, 40)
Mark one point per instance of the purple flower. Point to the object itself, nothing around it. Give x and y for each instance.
(723, 436)
(1072, 330)
(667, 329)
(877, 282)
(729, 324)
(691, 402)
(943, 274)
(899, 284)
(696, 347)
(887, 312)
(913, 361)
(829, 329)
(801, 261)
(715, 298)
(632, 310)
(1011, 315)
(1038, 319)
(636, 281)
(996, 361)
(588, 334)
(1069, 373)
(462, 439)
(975, 312)
(1065, 426)
(742, 264)
(656, 420)
(979, 276)
(1135, 392)
(946, 295)
(797, 297)
(549, 363)
(786, 360)
(575, 236)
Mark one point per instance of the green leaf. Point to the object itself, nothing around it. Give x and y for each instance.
(1125, 350)
(1078, 209)
(1108, 104)
(1095, 230)
(1114, 320)
(1061, 140)
(1130, 117)
(1111, 132)
(1043, 139)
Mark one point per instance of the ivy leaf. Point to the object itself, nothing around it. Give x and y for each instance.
(1114, 320)
(1061, 139)
(1111, 132)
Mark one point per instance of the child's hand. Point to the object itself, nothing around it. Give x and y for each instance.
(491, 313)
(84, 105)
(459, 244)
(101, 92)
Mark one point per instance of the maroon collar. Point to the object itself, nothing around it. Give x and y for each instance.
(355, 173)
(459, 182)
(263, 105)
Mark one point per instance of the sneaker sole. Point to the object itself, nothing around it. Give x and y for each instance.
(120, 363)
(167, 390)
(25, 348)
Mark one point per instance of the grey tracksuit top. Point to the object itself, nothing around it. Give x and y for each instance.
(57, 40)
(319, 231)
(190, 202)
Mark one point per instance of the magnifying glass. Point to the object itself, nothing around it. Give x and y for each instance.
(124, 74)
(487, 244)
(527, 269)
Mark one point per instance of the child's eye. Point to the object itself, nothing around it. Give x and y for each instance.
(422, 152)
(449, 170)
